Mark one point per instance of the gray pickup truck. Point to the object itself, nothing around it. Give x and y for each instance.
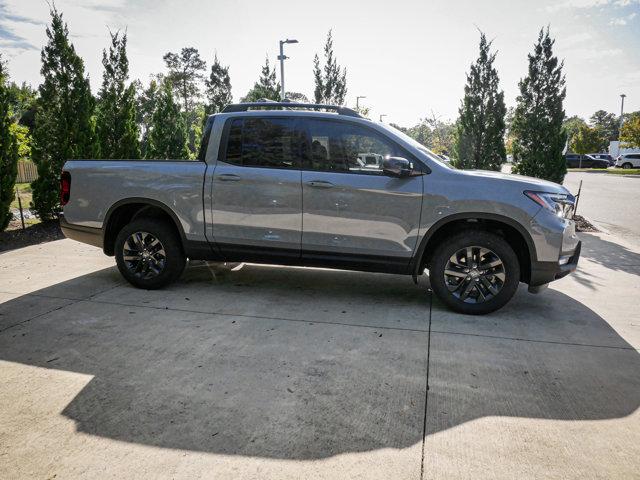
(284, 183)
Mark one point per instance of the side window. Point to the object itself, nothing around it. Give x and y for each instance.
(263, 142)
(346, 148)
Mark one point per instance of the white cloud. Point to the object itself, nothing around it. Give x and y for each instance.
(622, 20)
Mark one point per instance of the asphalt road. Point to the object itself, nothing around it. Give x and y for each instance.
(611, 201)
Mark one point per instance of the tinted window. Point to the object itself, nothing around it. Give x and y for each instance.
(634, 156)
(263, 142)
(346, 148)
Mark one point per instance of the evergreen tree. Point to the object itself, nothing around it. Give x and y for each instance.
(480, 131)
(539, 138)
(116, 125)
(8, 150)
(168, 132)
(330, 80)
(185, 74)
(145, 106)
(218, 88)
(266, 87)
(607, 123)
(64, 125)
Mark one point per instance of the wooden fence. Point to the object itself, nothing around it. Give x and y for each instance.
(27, 172)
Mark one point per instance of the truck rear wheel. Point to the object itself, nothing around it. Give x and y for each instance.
(148, 254)
(474, 272)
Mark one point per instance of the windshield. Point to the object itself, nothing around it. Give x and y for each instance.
(417, 145)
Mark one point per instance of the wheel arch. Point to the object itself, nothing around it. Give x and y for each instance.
(515, 234)
(124, 211)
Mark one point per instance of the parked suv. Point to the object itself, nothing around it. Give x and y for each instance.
(628, 160)
(285, 183)
(575, 160)
(603, 156)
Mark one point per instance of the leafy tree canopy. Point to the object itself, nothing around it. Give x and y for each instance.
(266, 87)
(218, 88)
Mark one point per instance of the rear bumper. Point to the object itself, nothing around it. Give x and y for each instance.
(545, 272)
(92, 236)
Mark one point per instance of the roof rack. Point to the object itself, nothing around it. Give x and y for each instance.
(270, 105)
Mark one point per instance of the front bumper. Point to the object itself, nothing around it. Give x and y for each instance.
(545, 272)
(80, 233)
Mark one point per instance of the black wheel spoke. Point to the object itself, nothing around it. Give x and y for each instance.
(144, 255)
(474, 274)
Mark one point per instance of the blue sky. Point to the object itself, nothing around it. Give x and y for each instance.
(408, 58)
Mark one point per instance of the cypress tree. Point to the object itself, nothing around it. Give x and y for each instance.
(266, 87)
(65, 128)
(116, 126)
(8, 150)
(480, 129)
(539, 138)
(218, 88)
(330, 80)
(168, 133)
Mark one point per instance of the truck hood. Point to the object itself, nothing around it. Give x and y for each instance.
(527, 183)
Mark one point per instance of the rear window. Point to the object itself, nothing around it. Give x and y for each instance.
(264, 143)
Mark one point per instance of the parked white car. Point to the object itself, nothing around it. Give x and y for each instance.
(628, 160)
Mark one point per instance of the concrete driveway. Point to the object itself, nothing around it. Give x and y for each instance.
(610, 201)
(272, 372)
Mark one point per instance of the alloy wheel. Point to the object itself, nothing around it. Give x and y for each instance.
(144, 255)
(474, 274)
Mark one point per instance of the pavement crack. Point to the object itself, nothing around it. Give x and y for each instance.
(426, 390)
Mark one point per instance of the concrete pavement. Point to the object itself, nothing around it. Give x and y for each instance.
(611, 201)
(273, 372)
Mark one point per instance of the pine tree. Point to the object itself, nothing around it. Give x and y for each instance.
(64, 125)
(185, 73)
(168, 132)
(116, 125)
(8, 150)
(330, 80)
(218, 88)
(266, 87)
(539, 138)
(480, 130)
(145, 106)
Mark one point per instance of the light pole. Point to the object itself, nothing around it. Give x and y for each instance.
(622, 96)
(358, 102)
(383, 115)
(282, 58)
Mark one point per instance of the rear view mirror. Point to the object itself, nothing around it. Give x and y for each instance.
(398, 167)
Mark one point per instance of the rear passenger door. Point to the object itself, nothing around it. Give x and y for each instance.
(352, 212)
(256, 193)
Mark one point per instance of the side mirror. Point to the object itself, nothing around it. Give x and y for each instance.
(398, 167)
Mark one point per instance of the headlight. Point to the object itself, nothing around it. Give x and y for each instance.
(561, 204)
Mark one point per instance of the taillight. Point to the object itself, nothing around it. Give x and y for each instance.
(65, 187)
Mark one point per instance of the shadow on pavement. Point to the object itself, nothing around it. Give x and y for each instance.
(610, 254)
(312, 384)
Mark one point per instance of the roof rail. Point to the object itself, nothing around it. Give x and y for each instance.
(271, 104)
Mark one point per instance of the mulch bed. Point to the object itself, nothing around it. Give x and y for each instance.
(583, 225)
(14, 237)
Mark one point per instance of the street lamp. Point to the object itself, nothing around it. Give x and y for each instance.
(383, 115)
(282, 58)
(358, 102)
(622, 96)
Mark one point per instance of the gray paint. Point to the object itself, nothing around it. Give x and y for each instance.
(361, 214)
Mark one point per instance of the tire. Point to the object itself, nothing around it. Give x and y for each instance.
(627, 166)
(495, 284)
(156, 267)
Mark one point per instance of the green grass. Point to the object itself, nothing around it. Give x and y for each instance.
(611, 171)
(24, 190)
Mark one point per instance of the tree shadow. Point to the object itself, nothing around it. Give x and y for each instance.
(245, 372)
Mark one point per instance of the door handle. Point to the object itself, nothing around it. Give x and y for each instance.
(228, 177)
(320, 184)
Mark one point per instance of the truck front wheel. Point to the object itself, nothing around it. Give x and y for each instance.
(149, 254)
(474, 272)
